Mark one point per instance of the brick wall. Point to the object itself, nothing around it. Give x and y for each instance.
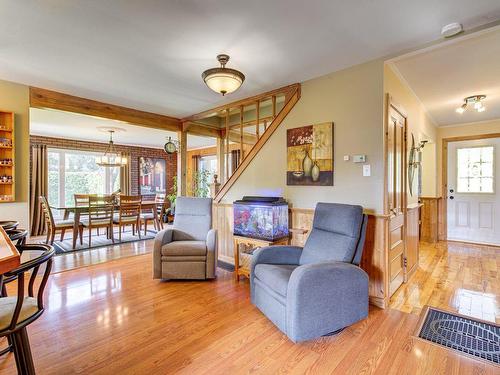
(134, 151)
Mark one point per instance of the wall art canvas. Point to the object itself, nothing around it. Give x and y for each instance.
(152, 176)
(310, 155)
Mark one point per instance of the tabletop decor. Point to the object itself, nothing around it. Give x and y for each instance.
(310, 155)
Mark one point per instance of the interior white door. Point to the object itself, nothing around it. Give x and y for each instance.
(473, 198)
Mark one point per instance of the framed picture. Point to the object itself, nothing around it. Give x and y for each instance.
(152, 176)
(310, 155)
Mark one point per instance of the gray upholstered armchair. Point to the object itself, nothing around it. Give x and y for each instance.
(188, 250)
(319, 289)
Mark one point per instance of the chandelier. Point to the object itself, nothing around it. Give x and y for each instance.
(223, 80)
(111, 157)
(474, 100)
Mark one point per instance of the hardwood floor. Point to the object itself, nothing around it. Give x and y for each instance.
(113, 318)
(454, 276)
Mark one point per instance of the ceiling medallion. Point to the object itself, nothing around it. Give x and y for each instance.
(223, 80)
(475, 100)
(111, 157)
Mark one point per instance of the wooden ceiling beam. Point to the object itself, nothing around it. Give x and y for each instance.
(47, 99)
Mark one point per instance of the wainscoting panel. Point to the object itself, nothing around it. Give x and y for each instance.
(429, 219)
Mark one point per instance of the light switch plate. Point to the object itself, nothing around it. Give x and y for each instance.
(346, 157)
(367, 170)
(359, 158)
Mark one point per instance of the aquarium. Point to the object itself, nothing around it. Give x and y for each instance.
(264, 218)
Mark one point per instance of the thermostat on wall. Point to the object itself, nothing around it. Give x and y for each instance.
(359, 158)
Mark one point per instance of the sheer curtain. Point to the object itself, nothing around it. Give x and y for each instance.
(39, 187)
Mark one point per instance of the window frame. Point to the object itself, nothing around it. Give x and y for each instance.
(62, 170)
(493, 166)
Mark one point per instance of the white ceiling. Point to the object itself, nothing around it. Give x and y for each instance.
(67, 125)
(149, 54)
(442, 77)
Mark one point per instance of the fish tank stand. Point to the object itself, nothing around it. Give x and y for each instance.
(244, 248)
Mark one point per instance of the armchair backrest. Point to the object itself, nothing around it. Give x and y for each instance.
(336, 234)
(193, 218)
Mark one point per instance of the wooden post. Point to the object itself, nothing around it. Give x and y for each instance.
(242, 153)
(182, 163)
(274, 106)
(227, 145)
(221, 160)
(257, 118)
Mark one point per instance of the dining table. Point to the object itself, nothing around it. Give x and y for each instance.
(78, 210)
(9, 256)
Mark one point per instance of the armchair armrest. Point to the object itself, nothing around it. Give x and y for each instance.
(162, 238)
(332, 293)
(211, 264)
(276, 255)
(273, 255)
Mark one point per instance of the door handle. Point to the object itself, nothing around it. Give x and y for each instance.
(452, 197)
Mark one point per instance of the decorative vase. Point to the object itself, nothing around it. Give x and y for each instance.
(307, 164)
(315, 172)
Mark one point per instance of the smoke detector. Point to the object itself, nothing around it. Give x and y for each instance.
(451, 29)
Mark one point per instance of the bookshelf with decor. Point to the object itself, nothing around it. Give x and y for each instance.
(7, 151)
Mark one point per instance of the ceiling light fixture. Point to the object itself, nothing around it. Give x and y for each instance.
(111, 157)
(475, 100)
(223, 80)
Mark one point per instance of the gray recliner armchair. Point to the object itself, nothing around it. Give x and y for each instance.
(319, 289)
(188, 250)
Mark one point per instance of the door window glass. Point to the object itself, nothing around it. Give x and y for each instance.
(475, 167)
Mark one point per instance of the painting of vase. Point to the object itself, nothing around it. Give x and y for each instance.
(310, 155)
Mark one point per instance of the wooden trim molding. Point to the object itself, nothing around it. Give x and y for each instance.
(46, 99)
(260, 143)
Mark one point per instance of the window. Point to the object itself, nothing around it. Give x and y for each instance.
(76, 172)
(475, 169)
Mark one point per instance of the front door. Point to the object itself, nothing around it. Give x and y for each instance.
(473, 199)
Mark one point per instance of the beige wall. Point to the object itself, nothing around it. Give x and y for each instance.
(420, 125)
(462, 130)
(353, 100)
(15, 98)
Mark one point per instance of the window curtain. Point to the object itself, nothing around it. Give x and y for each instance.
(125, 177)
(235, 160)
(39, 187)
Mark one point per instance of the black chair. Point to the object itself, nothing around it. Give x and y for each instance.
(19, 311)
(18, 235)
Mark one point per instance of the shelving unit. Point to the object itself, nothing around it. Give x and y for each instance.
(7, 156)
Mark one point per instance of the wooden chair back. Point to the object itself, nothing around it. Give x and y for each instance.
(101, 208)
(130, 207)
(47, 212)
(81, 199)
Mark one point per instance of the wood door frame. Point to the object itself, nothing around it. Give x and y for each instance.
(443, 230)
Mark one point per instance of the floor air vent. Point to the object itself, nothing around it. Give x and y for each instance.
(476, 338)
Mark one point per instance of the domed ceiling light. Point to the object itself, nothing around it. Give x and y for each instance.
(223, 80)
(475, 100)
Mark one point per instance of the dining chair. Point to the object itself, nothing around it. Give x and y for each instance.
(17, 312)
(101, 209)
(162, 205)
(55, 225)
(149, 214)
(128, 214)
